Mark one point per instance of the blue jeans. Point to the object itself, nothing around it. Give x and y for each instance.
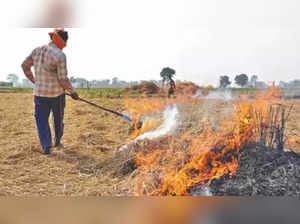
(43, 107)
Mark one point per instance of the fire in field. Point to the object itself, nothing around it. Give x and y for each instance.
(200, 142)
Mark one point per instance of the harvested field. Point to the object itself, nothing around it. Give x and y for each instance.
(90, 138)
(88, 165)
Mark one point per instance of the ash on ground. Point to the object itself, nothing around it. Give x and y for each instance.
(262, 172)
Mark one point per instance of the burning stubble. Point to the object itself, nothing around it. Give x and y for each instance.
(178, 163)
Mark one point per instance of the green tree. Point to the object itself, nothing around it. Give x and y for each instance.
(241, 80)
(167, 74)
(224, 81)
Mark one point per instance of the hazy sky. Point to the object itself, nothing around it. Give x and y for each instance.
(135, 39)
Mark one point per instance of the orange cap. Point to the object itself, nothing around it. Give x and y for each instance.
(57, 40)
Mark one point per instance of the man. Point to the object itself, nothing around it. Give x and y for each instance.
(172, 88)
(51, 81)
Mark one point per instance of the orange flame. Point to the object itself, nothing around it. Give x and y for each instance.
(175, 164)
(145, 107)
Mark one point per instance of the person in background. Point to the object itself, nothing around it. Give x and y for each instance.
(50, 81)
(172, 88)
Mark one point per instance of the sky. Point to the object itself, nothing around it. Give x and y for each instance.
(135, 39)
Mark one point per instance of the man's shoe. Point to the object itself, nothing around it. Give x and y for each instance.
(46, 151)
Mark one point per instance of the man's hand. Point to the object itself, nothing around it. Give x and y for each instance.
(75, 96)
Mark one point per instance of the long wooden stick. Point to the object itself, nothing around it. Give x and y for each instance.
(105, 109)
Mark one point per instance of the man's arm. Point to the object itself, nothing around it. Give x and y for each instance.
(63, 79)
(26, 66)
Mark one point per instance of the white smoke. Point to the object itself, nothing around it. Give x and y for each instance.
(220, 95)
(169, 125)
(216, 95)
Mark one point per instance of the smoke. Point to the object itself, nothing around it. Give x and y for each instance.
(216, 95)
(220, 95)
(170, 124)
(213, 109)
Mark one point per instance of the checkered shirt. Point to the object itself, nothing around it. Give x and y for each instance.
(50, 69)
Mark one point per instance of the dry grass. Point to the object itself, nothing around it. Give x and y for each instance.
(293, 126)
(90, 138)
(87, 166)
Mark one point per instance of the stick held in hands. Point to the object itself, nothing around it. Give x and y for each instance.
(103, 108)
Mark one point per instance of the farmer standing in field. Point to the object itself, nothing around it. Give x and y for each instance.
(51, 81)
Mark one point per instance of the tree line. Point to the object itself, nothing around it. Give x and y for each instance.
(242, 80)
(166, 75)
(13, 80)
